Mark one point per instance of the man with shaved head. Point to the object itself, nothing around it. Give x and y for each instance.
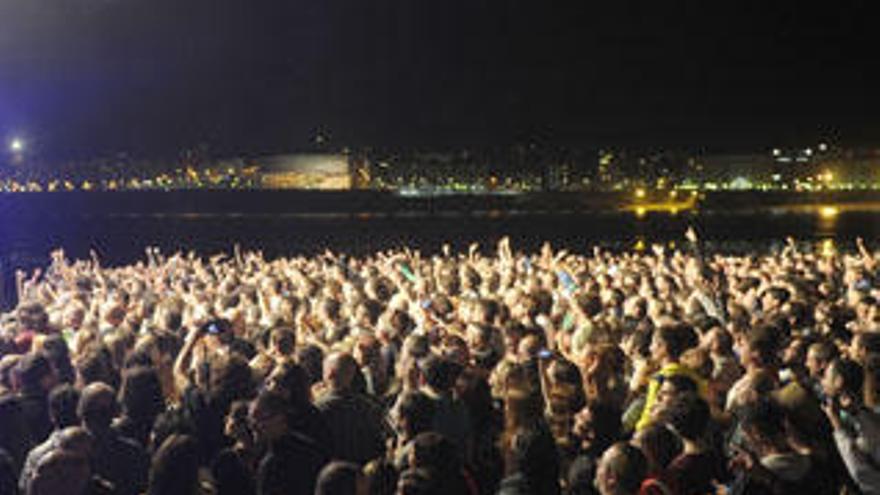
(356, 424)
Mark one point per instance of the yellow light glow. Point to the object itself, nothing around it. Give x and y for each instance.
(828, 211)
(673, 194)
(640, 211)
(640, 245)
(828, 248)
(640, 193)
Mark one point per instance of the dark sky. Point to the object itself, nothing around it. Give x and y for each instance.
(80, 77)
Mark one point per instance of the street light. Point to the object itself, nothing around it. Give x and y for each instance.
(16, 145)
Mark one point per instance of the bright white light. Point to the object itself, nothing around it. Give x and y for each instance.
(809, 151)
(776, 151)
(823, 147)
(16, 145)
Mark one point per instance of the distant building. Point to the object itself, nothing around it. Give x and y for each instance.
(738, 169)
(306, 171)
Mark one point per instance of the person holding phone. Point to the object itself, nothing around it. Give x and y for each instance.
(856, 429)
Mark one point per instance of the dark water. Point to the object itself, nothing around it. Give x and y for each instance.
(26, 242)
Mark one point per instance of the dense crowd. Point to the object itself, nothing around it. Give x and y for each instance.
(661, 372)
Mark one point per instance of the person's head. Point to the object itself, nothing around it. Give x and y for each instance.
(311, 358)
(96, 365)
(368, 350)
(621, 470)
(597, 425)
(268, 416)
(719, 342)
(439, 373)
(339, 371)
(291, 381)
(231, 379)
(97, 407)
(671, 387)
(864, 345)
(174, 470)
(36, 374)
(414, 414)
(282, 341)
(760, 347)
(774, 297)
(170, 422)
(844, 379)
(670, 341)
(341, 478)
(56, 351)
(763, 425)
(63, 402)
(141, 393)
(688, 416)
(236, 424)
(418, 482)
(659, 444)
(436, 453)
(819, 356)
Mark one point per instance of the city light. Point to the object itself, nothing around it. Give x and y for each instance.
(640, 193)
(16, 145)
(828, 211)
(823, 147)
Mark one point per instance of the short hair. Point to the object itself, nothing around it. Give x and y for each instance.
(764, 341)
(32, 369)
(271, 402)
(764, 417)
(688, 415)
(681, 383)
(851, 374)
(97, 405)
(338, 478)
(870, 341)
(824, 350)
(440, 373)
(175, 466)
(141, 393)
(660, 444)
(63, 403)
(628, 465)
(435, 452)
(677, 338)
(311, 358)
(284, 339)
(340, 368)
(418, 409)
(781, 294)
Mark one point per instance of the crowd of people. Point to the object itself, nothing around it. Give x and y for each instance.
(660, 372)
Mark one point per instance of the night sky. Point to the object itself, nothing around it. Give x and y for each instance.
(86, 77)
